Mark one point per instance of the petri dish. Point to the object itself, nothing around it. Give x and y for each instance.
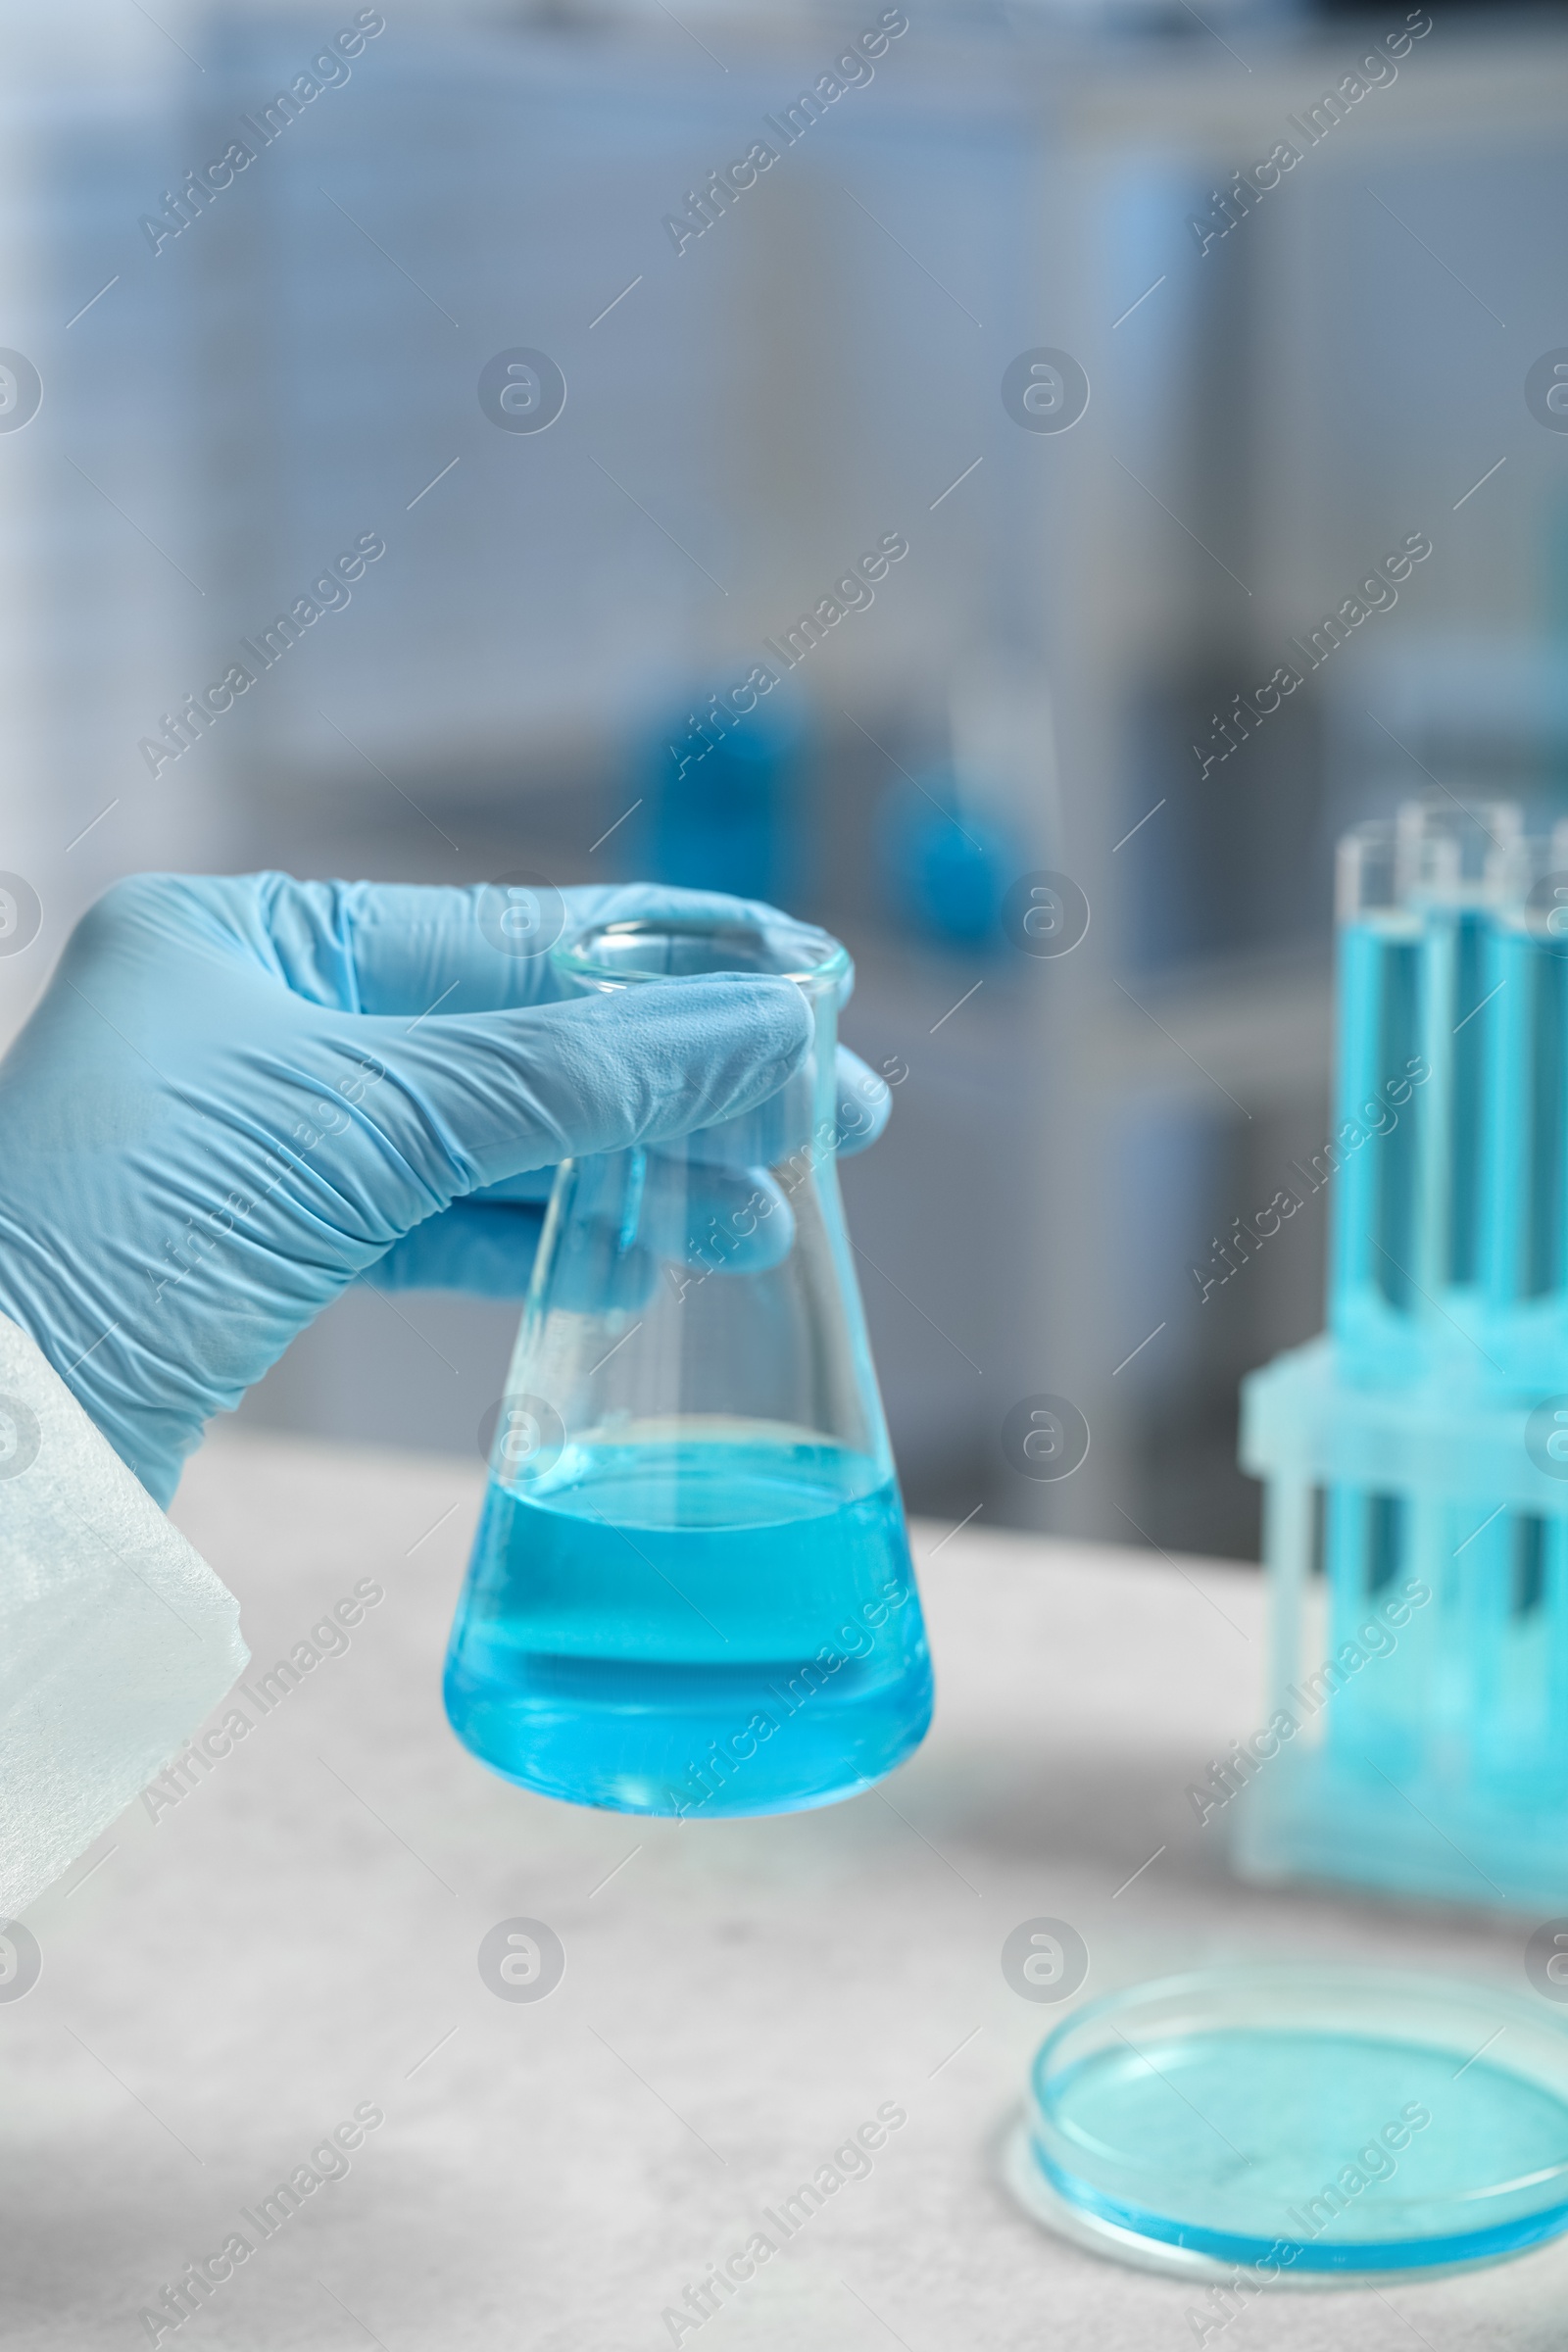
(1320, 2125)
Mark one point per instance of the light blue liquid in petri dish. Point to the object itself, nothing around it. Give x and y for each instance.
(1310, 2149)
(702, 1625)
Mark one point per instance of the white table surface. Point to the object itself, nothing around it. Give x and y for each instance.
(300, 1931)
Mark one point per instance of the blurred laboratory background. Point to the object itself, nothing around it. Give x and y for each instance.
(1016, 631)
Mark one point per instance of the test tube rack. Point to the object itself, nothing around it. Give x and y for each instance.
(1415, 1456)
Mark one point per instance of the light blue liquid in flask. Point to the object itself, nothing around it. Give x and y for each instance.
(691, 1590)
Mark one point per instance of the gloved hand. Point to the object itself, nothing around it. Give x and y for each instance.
(239, 1094)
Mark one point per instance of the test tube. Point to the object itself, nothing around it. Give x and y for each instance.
(1520, 1630)
(1377, 940)
(1416, 904)
(1453, 862)
(1509, 1206)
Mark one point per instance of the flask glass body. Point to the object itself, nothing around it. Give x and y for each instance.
(691, 1592)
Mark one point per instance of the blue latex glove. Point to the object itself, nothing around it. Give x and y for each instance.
(239, 1094)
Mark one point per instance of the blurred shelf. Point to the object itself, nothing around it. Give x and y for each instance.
(1263, 1029)
(1258, 1026)
(1475, 79)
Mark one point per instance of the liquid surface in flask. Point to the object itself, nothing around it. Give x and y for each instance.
(705, 1618)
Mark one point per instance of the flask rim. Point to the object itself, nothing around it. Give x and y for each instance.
(743, 946)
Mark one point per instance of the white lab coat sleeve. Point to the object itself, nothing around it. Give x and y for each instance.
(116, 1638)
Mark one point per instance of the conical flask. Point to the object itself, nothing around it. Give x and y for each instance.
(691, 1592)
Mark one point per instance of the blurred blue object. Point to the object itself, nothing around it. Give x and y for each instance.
(945, 872)
(722, 797)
